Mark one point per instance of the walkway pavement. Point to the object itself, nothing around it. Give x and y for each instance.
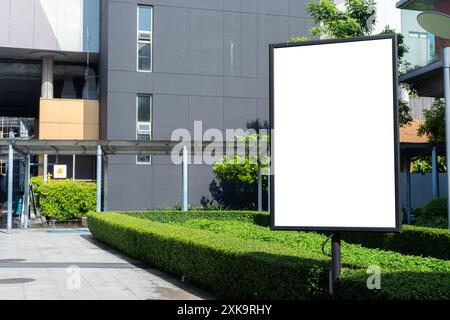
(37, 264)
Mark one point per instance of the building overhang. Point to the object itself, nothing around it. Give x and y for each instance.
(126, 147)
(427, 81)
(418, 5)
(7, 53)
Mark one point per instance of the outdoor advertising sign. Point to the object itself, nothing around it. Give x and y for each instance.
(335, 151)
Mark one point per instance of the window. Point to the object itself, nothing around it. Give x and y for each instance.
(143, 124)
(418, 35)
(144, 38)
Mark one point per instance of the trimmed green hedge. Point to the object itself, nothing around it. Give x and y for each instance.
(259, 218)
(225, 266)
(65, 199)
(237, 259)
(413, 240)
(436, 208)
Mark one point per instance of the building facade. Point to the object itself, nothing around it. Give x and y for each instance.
(138, 70)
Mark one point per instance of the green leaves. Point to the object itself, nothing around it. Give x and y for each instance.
(434, 124)
(229, 255)
(66, 199)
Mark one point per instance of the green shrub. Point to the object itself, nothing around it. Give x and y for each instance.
(259, 218)
(226, 266)
(65, 199)
(432, 222)
(237, 259)
(436, 208)
(413, 240)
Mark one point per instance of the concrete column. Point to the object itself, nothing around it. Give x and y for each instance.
(184, 198)
(26, 200)
(47, 77)
(10, 187)
(99, 178)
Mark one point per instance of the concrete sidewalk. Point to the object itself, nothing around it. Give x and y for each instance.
(37, 264)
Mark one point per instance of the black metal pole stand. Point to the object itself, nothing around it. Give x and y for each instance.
(335, 263)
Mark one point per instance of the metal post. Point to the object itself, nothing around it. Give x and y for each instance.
(446, 65)
(26, 200)
(99, 178)
(45, 167)
(10, 187)
(434, 173)
(105, 185)
(184, 199)
(73, 166)
(335, 263)
(268, 185)
(260, 193)
(408, 191)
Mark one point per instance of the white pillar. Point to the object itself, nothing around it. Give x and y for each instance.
(10, 187)
(99, 178)
(73, 166)
(446, 65)
(434, 173)
(45, 167)
(47, 77)
(184, 200)
(105, 185)
(26, 200)
(260, 193)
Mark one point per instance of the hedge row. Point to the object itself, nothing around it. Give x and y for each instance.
(65, 199)
(231, 266)
(225, 266)
(259, 218)
(413, 240)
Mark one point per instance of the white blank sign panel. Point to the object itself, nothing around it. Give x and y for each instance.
(335, 141)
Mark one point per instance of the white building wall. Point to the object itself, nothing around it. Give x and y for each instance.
(49, 24)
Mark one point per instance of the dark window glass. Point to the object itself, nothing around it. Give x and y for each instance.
(144, 109)
(144, 56)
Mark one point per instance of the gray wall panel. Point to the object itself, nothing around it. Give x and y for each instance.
(22, 21)
(122, 36)
(232, 44)
(249, 43)
(129, 187)
(121, 116)
(206, 42)
(172, 39)
(169, 113)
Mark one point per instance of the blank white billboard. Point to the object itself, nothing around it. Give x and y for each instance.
(335, 135)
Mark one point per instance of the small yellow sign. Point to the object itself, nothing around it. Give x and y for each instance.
(60, 171)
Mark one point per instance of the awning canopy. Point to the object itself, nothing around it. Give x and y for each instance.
(428, 81)
(124, 147)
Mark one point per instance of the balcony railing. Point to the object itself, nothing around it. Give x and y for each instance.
(17, 128)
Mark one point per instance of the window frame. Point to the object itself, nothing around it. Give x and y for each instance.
(139, 40)
(150, 134)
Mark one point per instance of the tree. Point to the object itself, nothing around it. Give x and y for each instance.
(356, 20)
(434, 122)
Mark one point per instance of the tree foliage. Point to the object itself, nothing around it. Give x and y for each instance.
(434, 122)
(358, 19)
